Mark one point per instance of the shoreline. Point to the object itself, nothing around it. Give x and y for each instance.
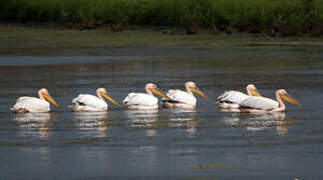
(18, 39)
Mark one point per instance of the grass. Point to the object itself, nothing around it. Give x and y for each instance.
(287, 17)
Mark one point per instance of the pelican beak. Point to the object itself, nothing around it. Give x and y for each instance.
(111, 100)
(159, 93)
(51, 100)
(199, 92)
(255, 92)
(290, 99)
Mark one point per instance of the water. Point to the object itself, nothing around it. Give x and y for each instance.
(204, 143)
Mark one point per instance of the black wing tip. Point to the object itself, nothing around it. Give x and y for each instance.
(170, 101)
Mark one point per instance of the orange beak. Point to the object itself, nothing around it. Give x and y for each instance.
(290, 99)
(199, 92)
(159, 93)
(111, 100)
(51, 100)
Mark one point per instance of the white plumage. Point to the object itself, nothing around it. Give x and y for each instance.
(232, 99)
(31, 104)
(141, 101)
(182, 99)
(88, 102)
(260, 103)
(179, 99)
(144, 100)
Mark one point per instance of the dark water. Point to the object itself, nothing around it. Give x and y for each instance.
(166, 144)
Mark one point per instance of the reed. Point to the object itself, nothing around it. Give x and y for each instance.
(289, 17)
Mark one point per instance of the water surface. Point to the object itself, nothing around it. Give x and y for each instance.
(204, 143)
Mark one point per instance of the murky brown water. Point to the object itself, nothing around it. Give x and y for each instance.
(201, 143)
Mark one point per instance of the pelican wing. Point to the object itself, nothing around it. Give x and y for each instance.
(31, 104)
(89, 101)
(260, 103)
(178, 96)
(235, 97)
(140, 99)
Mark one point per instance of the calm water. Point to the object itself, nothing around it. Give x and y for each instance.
(204, 143)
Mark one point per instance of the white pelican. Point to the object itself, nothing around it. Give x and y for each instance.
(88, 102)
(255, 104)
(144, 100)
(31, 104)
(182, 99)
(232, 99)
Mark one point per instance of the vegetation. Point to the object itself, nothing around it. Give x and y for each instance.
(288, 17)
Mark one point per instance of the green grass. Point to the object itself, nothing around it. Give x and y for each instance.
(285, 16)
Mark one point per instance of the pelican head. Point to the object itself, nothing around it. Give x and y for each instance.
(288, 98)
(102, 92)
(152, 89)
(43, 94)
(191, 87)
(252, 90)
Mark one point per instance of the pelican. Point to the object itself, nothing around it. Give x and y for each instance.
(144, 100)
(232, 99)
(182, 99)
(255, 104)
(32, 104)
(91, 103)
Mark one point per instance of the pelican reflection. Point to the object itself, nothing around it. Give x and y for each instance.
(261, 121)
(93, 122)
(35, 124)
(185, 118)
(144, 119)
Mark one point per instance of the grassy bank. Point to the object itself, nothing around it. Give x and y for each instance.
(287, 17)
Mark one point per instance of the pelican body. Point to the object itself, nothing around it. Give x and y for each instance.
(261, 104)
(144, 100)
(91, 103)
(35, 105)
(182, 99)
(232, 99)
